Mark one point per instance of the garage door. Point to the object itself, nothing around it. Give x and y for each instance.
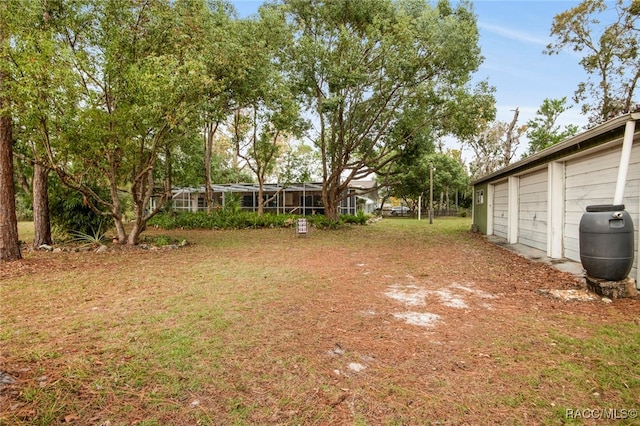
(532, 210)
(500, 209)
(589, 181)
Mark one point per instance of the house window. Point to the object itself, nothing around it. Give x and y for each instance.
(480, 196)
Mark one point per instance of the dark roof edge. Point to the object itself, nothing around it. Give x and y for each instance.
(608, 126)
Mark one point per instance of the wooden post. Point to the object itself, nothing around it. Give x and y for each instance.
(431, 194)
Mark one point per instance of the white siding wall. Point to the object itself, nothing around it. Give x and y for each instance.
(532, 213)
(500, 209)
(591, 180)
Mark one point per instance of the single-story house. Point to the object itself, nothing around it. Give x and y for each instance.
(303, 198)
(539, 200)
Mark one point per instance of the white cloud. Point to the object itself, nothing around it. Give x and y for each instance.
(512, 34)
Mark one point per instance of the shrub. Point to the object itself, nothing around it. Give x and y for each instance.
(95, 237)
(69, 212)
(358, 219)
(24, 210)
(223, 219)
(231, 219)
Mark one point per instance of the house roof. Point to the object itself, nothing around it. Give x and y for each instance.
(587, 139)
(365, 186)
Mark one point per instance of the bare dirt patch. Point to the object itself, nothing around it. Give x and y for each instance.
(393, 323)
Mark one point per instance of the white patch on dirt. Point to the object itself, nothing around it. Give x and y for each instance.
(570, 295)
(354, 366)
(409, 295)
(422, 319)
(448, 299)
(414, 295)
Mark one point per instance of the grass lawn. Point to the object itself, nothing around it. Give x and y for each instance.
(398, 322)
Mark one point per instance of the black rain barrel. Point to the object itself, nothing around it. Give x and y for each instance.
(606, 242)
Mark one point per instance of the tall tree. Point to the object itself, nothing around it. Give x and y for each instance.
(449, 176)
(34, 83)
(543, 131)
(611, 54)
(361, 66)
(494, 146)
(9, 243)
(268, 113)
(219, 47)
(136, 85)
(299, 163)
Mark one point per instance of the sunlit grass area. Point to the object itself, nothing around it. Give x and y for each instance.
(25, 231)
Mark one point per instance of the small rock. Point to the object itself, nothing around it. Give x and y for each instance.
(336, 351)
(57, 250)
(607, 300)
(194, 403)
(6, 379)
(46, 247)
(101, 249)
(354, 366)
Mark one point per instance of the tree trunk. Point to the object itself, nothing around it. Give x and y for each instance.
(134, 234)
(509, 149)
(9, 242)
(329, 201)
(448, 201)
(260, 198)
(41, 221)
(168, 177)
(122, 234)
(208, 151)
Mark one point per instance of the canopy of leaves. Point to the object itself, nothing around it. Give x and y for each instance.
(494, 146)
(373, 73)
(607, 35)
(449, 176)
(543, 131)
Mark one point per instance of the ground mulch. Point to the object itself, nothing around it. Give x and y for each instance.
(353, 326)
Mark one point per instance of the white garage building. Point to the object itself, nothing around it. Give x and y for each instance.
(540, 200)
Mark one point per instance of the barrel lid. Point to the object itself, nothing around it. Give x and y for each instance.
(605, 208)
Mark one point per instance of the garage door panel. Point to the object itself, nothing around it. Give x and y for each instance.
(500, 209)
(532, 210)
(590, 181)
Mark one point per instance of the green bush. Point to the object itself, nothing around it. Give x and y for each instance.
(223, 219)
(233, 219)
(358, 219)
(70, 214)
(24, 209)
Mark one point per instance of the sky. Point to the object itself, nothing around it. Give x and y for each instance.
(513, 35)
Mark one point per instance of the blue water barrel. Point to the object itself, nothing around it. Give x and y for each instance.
(606, 242)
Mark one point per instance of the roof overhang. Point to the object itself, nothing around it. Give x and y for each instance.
(358, 186)
(598, 135)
